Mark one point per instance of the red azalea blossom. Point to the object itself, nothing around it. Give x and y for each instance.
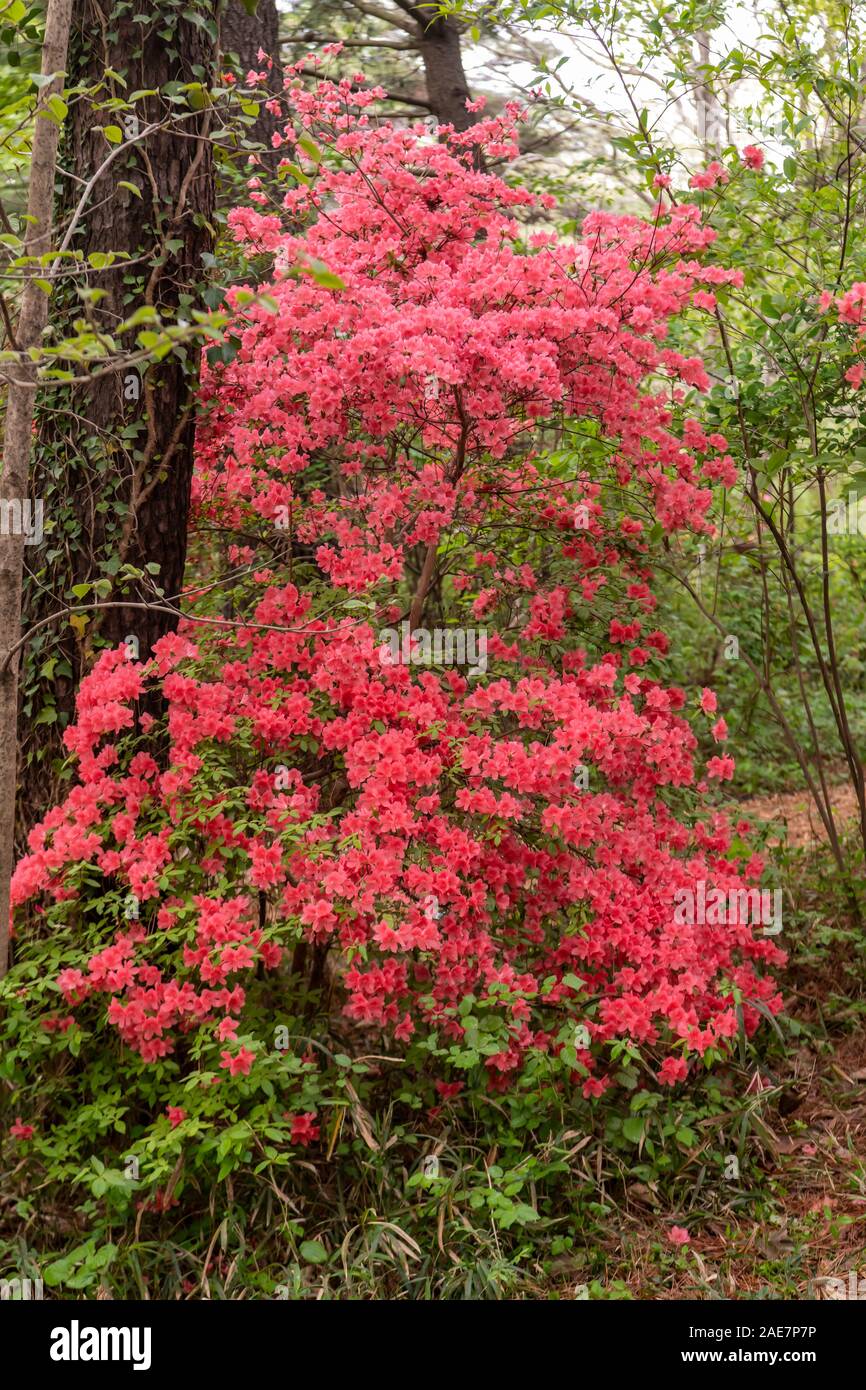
(237, 1063)
(371, 774)
(304, 1128)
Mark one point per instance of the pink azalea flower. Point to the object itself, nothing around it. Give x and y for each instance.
(753, 157)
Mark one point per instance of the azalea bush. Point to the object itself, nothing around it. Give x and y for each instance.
(306, 838)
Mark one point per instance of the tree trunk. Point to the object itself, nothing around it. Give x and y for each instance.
(710, 115)
(18, 436)
(115, 457)
(447, 88)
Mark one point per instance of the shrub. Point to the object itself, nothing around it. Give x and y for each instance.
(433, 416)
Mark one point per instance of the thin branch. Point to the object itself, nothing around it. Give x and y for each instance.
(375, 12)
(403, 45)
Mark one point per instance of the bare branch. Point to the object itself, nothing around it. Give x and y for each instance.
(404, 45)
(376, 12)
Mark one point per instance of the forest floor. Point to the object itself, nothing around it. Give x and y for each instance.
(806, 1225)
(796, 812)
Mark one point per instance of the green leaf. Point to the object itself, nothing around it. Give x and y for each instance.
(145, 314)
(633, 1128)
(113, 134)
(311, 148)
(314, 1252)
(323, 276)
(296, 173)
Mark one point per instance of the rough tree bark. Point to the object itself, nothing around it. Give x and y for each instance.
(437, 40)
(115, 457)
(18, 435)
(439, 45)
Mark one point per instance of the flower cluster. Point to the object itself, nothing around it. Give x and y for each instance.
(412, 414)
